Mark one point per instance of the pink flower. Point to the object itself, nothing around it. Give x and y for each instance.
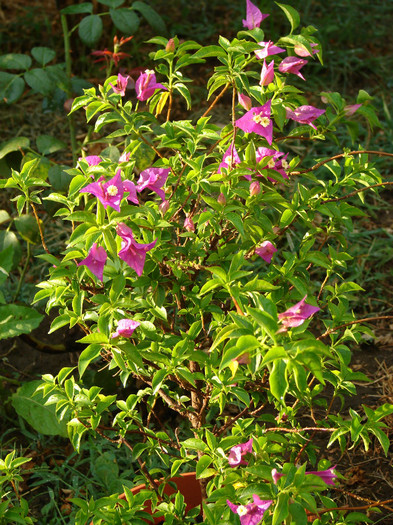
(244, 101)
(130, 187)
(266, 251)
(267, 73)
(257, 120)
(275, 163)
(95, 261)
(297, 314)
(153, 179)
(92, 160)
(252, 513)
(189, 224)
(170, 47)
(237, 452)
(327, 476)
(292, 65)
(228, 162)
(164, 207)
(268, 49)
(351, 109)
(125, 328)
(305, 114)
(254, 16)
(121, 84)
(132, 252)
(146, 85)
(108, 193)
(302, 51)
(221, 199)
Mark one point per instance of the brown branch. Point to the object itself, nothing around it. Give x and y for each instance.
(298, 430)
(341, 155)
(216, 99)
(358, 191)
(39, 228)
(366, 319)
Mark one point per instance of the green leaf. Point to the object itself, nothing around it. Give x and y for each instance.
(158, 378)
(291, 14)
(95, 337)
(112, 3)
(16, 61)
(151, 16)
(8, 238)
(76, 9)
(27, 228)
(195, 444)
(276, 352)
(39, 80)
(87, 356)
(281, 509)
(210, 51)
(278, 380)
(29, 403)
(202, 465)
(59, 178)
(11, 87)
(46, 144)
(125, 20)
(15, 144)
(90, 29)
(16, 320)
(43, 55)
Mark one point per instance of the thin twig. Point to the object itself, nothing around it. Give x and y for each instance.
(216, 99)
(39, 228)
(366, 319)
(358, 191)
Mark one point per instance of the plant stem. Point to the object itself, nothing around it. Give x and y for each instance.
(22, 275)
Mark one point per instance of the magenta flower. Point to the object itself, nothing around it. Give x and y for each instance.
(92, 160)
(125, 328)
(153, 179)
(328, 476)
(121, 84)
(108, 193)
(189, 224)
(132, 252)
(254, 16)
(244, 101)
(292, 65)
(297, 314)
(266, 251)
(275, 163)
(227, 161)
(351, 109)
(146, 85)
(130, 187)
(268, 49)
(252, 513)
(302, 51)
(267, 73)
(305, 114)
(237, 452)
(257, 120)
(95, 261)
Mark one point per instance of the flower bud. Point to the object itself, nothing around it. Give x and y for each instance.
(255, 188)
(244, 101)
(189, 224)
(163, 207)
(170, 47)
(221, 199)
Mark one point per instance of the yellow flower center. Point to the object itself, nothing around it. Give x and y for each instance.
(112, 190)
(285, 164)
(263, 121)
(271, 164)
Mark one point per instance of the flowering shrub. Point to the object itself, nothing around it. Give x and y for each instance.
(207, 266)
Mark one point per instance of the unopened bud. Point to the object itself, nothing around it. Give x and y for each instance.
(189, 224)
(170, 47)
(244, 101)
(221, 199)
(163, 207)
(255, 188)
